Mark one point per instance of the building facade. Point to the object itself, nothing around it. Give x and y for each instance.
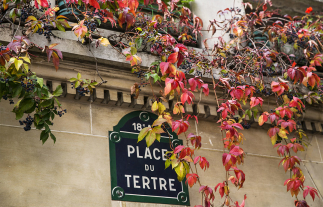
(75, 171)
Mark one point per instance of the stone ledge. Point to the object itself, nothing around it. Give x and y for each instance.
(122, 98)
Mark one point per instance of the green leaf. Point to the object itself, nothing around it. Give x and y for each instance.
(40, 125)
(58, 91)
(143, 133)
(147, 75)
(47, 129)
(40, 81)
(52, 115)
(248, 112)
(45, 92)
(133, 50)
(155, 76)
(36, 118)
(53, 137)
(59, 26)
(46, 117)
(73, 79)
(19, 114)
(99, 21)
(26, 104)
(57, 102)
(255, 111)
(157, 62)
(16, 90)
(46, 103)
(31, 110)
(44, 112)
(77, 83)
(44, 136)
(79, 76)
(138, 42)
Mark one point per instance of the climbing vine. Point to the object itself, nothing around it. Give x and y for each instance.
(268, 55)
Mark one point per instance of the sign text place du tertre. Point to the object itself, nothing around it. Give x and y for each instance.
(137, 172)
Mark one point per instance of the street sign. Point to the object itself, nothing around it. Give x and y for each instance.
(137, 172)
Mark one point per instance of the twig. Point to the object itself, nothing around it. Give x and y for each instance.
(96, 66)
(16, 31)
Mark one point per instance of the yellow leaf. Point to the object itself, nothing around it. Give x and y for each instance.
(226, 190)
(26, 67)
(136, 60)
(223, 54)
(8, 64)
(26, 59)
(104, 41)
(261, 120)
(31, 18)
(143, 133)
(237, 31)
(283, 133)
(161, 108)
(181, 170)
(158, 137)
(159, 121)
(273, 139)
(151, 136)
(154, 107)
(52, 45)
(286, 99)
(18, 64)
(176, 110)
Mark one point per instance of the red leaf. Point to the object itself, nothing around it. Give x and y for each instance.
(181, 125)
(163, 67)
(273, 131)
(178, 148)
(221, 189)
(204, 164)
(172, 58)
(192, 83)
(55, 60)
(49, 54)
(312, 192)
(191, 179)
(130, 20)
(206, 89)
(180, 59)
(94, 3)
(243, 202)
(255, 101)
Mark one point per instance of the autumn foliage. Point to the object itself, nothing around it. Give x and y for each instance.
(249, 71)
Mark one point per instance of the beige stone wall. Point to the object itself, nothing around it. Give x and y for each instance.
(75, 171)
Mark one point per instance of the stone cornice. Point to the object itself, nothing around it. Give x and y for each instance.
(116, 92)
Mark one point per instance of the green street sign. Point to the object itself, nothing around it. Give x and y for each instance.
(138, 173)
